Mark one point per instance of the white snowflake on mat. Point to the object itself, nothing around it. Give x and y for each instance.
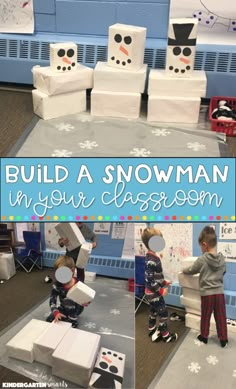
(99, 121)
(87, 144)
(90, 324)
(140, 152)
(198, 343)
(87, 119)
(196, 146)
(64, 127)
(194, 367)
(103, 295)
(105, 329)
(212, 360)
(160, 132)
(234, 373)
(115, 311)
(61, 153)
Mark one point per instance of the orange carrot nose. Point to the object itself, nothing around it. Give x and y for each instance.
(124, 50)
(66, 60)
(107, 359)
(184, 60)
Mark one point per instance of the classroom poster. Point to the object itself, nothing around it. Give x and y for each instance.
(227, 231)
(216, 19)
(102, 228)
(228, 249)
(139, 248)
(128, 248)
(118, 230)
(16, 16)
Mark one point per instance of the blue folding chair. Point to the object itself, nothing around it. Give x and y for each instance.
(30, 255)
(140, 281)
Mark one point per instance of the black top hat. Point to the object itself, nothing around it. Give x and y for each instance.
(182, 32)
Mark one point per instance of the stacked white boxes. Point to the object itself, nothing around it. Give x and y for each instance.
(119, 82)
(61, 87)
(175, 93)
(191, 298)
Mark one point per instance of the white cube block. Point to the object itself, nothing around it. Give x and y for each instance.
(52, 83)
(189, 281)
(51, 107)
(126, 46)
(75, 356)
(193, 322)
(84, 254)
(46, 344)
(81, 293)
(109, 370)
(115, 104)
(168, 109)
(90, 276)
(72, 232)
(162, 84)
(21, 346)
(181, 46)
(107, 78)
(191, 305)
(7, 265)
(63, 57)
(189, 261)
(191, 293)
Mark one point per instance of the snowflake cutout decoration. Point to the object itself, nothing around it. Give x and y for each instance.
(90, 325)
(87, 144)
(198, 343)
(105, 329)
(196, 146)
(234, 373)
(140, 152)
(212, 360)
(87, 119)
(61, 153)
(103, 295)
(160, 132)
(115, 311)
(194, 367)
(67, 127)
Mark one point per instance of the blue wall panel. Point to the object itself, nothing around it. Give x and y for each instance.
(85, 17)
(45, 23)
(150, 15)
(44, 6)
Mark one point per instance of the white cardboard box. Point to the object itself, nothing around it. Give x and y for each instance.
(90, 276)
(81, 293)
(191, 293)
(126, 46)
(115, 104)
(72, 232)
(189, 281)
(7, 266)
(84, 254)
(109, 79)
(75, 356)
(193, 322)
(115, 365)
(46, 344)
(51, 107)
(21, 346)
(169, 109)
(162, 84)
(63, 56)
(51, 83)
(191, 305)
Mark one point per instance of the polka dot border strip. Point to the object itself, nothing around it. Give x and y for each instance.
(119, 218)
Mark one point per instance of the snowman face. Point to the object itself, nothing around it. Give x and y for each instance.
(181, 47)
(111, 361)
(63, 57)
(126, 46)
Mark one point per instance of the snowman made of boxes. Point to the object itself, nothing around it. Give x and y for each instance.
(119, 82)
(175, 93)
(61, 87)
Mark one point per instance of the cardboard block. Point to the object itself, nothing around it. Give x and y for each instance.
(189, 281)
(81, 293)
(63, 57)
(72, 232)
(84, 254)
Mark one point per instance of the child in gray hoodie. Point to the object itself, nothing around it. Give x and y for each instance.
(211, 267)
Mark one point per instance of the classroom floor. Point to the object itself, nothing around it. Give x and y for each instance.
(17, 114)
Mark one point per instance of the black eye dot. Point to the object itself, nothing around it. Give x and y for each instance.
(118, 38)
(61, 53)
(104, 353)
(113, 369)
(103, 365)
(70, 53)
(187, 51)
(176, 50)
(127, 40)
